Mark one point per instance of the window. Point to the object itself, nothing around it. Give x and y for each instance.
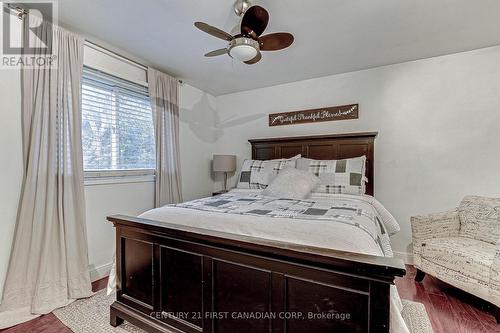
(117, 125)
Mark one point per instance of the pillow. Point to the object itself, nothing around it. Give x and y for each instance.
(337, 176)
(480, 218)
(292, 183)
(257, 174)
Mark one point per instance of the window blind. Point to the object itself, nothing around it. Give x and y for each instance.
(117, 124)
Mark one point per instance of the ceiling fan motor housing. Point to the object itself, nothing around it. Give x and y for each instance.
(243, 48)
(241, 6)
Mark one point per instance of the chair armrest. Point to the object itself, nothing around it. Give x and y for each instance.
(445, 224)
(424, 227)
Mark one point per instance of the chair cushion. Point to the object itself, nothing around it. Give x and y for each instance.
(480, 218)
(467, 256)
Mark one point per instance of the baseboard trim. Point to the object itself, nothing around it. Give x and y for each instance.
(405, 256)
(97, 273)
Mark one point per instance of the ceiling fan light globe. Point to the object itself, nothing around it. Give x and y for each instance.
(243, 52)
(243, 48)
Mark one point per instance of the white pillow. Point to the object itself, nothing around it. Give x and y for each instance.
(292, 183)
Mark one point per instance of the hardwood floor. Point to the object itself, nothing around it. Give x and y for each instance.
(49, 323)
(449, 309)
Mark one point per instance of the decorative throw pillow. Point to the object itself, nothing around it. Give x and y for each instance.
(292, 183)
(337, 176)
(257, 174)
(480, 218)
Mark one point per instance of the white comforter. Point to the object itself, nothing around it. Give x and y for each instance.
(318, 233)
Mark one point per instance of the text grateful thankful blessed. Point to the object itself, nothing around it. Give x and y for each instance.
(315, 115)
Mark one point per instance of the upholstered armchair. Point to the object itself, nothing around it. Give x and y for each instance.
(462, 247)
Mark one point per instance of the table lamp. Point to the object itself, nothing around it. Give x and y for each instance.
(224, 163)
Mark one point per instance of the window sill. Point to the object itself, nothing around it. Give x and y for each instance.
(118, 177)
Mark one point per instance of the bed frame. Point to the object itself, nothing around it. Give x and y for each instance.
(173, 278)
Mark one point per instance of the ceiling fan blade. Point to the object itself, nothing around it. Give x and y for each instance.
(216, 32)
(216, 53)
(276, 41)
(255, 59)
(254, 22)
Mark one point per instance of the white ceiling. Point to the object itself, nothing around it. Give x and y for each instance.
(331, 36)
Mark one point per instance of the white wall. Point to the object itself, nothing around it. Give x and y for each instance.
(438, 122)
(197, 141)
(107, 199)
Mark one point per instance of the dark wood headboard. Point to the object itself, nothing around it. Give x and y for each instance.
(320, 147)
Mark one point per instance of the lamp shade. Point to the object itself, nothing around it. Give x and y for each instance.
(224, 163)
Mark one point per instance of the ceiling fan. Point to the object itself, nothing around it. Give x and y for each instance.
(246, 45)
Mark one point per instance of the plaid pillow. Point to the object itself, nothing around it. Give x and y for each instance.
(337, 176)
(257, 174)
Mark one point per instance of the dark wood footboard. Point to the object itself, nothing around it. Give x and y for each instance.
(173, 278)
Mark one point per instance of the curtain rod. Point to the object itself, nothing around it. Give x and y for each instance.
(22, 12)
(115, 55)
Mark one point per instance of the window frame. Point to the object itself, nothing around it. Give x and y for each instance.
(96, 177)
(116, 176)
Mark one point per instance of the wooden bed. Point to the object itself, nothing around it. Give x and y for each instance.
(173, 278)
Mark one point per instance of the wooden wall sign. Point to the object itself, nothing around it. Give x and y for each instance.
(332, 113)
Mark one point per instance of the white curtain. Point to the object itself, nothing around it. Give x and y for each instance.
(48, 266)
(164, 95)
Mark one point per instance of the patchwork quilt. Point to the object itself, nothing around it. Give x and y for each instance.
(334, 210)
